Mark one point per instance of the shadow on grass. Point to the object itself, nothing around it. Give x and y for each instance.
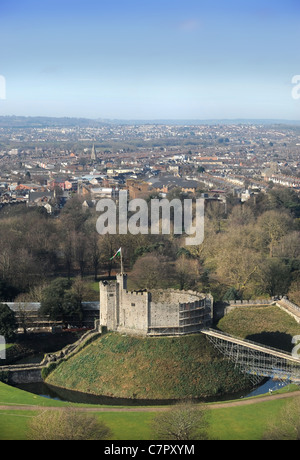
(279, 340)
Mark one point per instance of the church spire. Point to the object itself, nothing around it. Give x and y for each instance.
(93, 155)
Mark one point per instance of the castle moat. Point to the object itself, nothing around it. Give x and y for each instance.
(61, 394)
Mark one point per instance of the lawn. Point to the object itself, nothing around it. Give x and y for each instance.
(266, 325)
(244, 422)
(13, 424)
(133, 426)
(234, 423)
(13, 396)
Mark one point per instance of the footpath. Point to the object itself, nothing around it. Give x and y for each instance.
(240, 402)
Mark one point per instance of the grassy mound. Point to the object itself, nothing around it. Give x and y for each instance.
(149, 368)
(172, 368)
(269, 326)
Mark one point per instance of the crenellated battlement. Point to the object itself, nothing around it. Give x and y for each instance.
(137, 293)
(153, 313)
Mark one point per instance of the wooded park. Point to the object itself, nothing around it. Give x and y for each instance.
(251, 251)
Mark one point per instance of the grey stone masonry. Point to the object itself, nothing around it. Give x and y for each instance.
(159, 312)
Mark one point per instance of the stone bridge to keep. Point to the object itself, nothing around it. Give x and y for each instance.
(255, 359)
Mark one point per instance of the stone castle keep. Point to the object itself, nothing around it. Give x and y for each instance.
(156, 313)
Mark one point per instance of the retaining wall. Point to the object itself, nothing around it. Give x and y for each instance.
(290, 308)
(21, 375)
(247, 303)
(32, 373)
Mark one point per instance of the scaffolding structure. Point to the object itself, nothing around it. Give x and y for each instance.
(256, 360)
(191, 319)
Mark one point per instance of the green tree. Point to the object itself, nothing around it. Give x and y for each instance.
(73, 298)
(94, 251)
(231, 294)
(57, 302)
(7, 292)
(284, 198)
(8, 323)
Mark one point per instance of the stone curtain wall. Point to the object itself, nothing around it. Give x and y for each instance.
(247, 303)
(290, 307)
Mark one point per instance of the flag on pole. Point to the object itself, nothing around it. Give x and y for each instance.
(118, 253)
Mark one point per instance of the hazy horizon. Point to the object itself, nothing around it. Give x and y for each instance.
(162, 120)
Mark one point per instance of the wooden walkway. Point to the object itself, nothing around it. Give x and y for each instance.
(252, 345)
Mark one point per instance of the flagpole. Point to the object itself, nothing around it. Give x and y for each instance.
(119, 252)
(121, 262)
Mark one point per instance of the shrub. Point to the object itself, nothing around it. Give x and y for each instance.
(47, 370)
(67, 424)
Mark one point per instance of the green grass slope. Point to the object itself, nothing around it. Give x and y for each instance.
(269, 326)
(172, 368)
(149, 368)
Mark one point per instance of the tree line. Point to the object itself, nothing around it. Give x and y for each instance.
(250, 250)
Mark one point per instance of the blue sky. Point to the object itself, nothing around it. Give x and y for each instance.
(177, 59)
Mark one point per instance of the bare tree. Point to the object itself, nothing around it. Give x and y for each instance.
(150, 271)
(237, 268)
(94, 253)
(23, 314)
(288, 246)
(274, 225)
(187, 271)
(294, 291)
(183, 422)
(67, 424)
(81, 253)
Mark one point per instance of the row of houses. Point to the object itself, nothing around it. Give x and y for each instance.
(286, 181)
